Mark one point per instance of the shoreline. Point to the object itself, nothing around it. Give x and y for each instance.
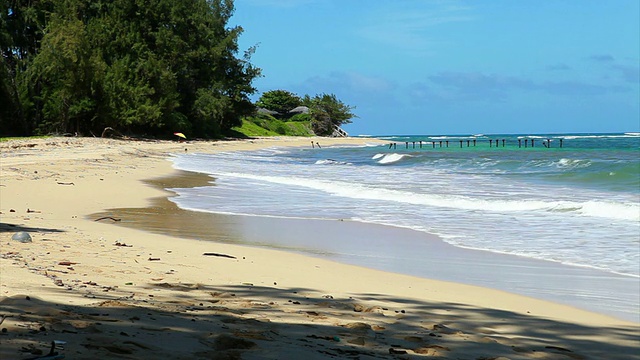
(360, 244)
(89, 282)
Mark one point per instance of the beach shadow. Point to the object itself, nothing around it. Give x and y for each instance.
(5, 227)
(195, 321)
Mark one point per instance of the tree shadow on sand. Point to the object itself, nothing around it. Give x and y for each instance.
(5, 227)
(194, 321)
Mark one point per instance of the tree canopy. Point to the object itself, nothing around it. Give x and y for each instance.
(280, 101)
(145, 67)
(326, 111)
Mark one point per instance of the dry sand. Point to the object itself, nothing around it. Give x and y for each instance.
(113, 292)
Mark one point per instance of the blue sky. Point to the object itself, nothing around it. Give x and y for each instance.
(454, 67)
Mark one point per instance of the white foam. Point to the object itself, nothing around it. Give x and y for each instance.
(572, 163)
(611, 210)
(392, 158)
(615, 136)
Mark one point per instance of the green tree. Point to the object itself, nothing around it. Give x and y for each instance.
(327, 112)
(281, 101)
(62, 72)
(22, 25)
(139, 66)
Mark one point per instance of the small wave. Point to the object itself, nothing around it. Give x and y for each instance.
(571, 163)
(377, 156)
(392, 158)
(331, 162)
(634, 134)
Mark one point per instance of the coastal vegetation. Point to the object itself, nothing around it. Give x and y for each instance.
(281, 112)
(146, 68)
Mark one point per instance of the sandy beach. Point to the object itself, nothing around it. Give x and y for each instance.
(120, 292)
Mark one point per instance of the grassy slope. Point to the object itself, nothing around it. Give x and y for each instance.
(273, 127)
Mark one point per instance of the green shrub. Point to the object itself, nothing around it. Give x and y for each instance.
(301, 117)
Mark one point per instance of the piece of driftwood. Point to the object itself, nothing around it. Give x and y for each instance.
(107, 217)
(219, 255)
(107, 129)
(65, 183)
(67, 263)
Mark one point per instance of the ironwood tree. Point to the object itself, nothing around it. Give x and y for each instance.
(138, 66)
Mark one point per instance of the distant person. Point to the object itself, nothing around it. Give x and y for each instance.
(312, 146)
(318, 145)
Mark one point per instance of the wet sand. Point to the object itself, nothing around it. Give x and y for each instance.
(390, 249)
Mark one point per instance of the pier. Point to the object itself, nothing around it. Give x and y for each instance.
(493, 143)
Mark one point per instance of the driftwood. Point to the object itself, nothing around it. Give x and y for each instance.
(107, 217)
(219, 255)
(65, 183)
(110, 129)
(67, 263)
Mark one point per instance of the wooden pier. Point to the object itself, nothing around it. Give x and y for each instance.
(493, 143)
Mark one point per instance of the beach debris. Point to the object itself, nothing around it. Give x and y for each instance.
(67, 263)
(21, 236)
(118, 243)
(107, 217)
(219, 255)
(154, 259)
(33, 211)
(65, 183)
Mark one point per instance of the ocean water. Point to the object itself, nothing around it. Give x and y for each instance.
(578, 204)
